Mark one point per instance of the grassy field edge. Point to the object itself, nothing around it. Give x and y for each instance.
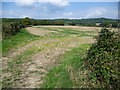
(20, 39)
(70, 72)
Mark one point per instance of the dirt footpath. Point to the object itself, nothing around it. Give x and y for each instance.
(33, 72)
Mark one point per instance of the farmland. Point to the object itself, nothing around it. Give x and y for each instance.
(59, 44)
(38, 54)
(48, 57)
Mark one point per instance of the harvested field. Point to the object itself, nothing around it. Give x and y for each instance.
(27, 65)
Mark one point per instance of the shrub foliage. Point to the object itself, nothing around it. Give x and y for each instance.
(10, 28)
(103, 58)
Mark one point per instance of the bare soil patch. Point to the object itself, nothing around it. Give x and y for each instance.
(34, 71)
(47, 59)
(38, 31)
(81, 28)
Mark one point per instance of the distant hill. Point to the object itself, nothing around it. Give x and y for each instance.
(79, 22)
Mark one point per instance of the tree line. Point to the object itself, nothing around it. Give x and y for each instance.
(12, 26)
(75, 22)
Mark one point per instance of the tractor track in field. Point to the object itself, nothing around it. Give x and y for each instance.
(34, 72)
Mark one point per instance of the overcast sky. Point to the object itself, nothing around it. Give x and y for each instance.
(50, 9)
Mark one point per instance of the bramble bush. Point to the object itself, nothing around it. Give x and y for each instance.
(103, 58)
(10, 28)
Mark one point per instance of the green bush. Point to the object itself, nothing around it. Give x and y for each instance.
(103, 58)
(10, 28)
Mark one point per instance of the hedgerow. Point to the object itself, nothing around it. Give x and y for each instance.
(10, 28)
(103, 58)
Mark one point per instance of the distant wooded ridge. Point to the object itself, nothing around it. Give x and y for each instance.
(102, 22)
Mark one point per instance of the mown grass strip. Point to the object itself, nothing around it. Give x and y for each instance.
(17, 63)
(60, 76)
(76, 32)
(67, 31)
(20, 39)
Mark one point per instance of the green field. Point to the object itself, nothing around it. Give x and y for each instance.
(55, 59)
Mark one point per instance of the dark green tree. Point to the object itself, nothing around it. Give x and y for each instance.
(26, 22)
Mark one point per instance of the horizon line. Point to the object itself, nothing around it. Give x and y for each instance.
(58, 18)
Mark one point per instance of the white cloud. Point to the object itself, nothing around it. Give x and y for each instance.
(69, 0)
(23, 16)
(45, 6)
(61, 3)
(95, 12)
(56, 2)
(25, 2)
(53, 9)
(93, 0)
(68, 14)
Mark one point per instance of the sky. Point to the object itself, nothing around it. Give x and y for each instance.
(54, 9)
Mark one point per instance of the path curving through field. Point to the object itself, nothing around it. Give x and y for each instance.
(51, 48)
